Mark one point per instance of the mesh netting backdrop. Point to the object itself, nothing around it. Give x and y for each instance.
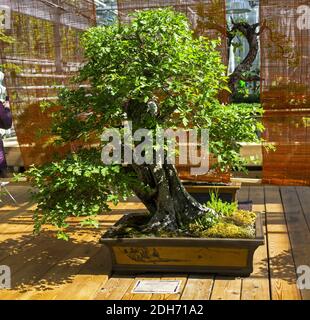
(285, 73)
(44, 56)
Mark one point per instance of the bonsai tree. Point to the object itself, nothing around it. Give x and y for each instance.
(155, 73)
(208, 19)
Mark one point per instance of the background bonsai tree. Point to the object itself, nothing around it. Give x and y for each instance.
(155, 73)
(208, 18)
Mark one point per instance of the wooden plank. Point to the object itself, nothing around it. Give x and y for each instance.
(115, 288)
(7, 217)
(56, 282)
(53, 282)
(243, 194)
(257, 286)
(15, 241)
(86, 284)
(297, 226)
(304, 199)
(27, 278)
(38, 249)
(50, 261)
(15, 228)
(8, 212)
(282, 268)
(16, 224)
(19, 237)
(198, 287)
(29, 268)
(226, 288)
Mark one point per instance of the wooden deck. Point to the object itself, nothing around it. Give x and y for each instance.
(45, 268)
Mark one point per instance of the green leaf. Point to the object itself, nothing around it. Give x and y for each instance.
(62, 236)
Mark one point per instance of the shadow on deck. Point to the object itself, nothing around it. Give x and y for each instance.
(46, 268)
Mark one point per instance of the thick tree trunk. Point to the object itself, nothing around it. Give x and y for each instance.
(170, 205)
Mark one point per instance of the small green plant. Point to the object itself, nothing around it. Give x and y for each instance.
(227, 221)
(204, 222)
(221, 207)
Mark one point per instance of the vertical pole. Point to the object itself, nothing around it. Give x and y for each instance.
(57, 40)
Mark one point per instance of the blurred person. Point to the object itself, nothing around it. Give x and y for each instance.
(5, 123)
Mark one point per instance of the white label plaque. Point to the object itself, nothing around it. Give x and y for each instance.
(157, 286)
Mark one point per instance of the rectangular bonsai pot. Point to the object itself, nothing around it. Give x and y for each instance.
(233, 257)
(201, 191)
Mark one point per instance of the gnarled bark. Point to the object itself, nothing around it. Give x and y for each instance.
(249, 32)
(170, 205)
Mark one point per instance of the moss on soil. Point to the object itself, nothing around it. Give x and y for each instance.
(240, 224)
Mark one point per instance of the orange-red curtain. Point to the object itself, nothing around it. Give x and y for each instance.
(285, 90)
(45, 54)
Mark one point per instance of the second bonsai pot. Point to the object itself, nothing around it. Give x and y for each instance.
(201, 190)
